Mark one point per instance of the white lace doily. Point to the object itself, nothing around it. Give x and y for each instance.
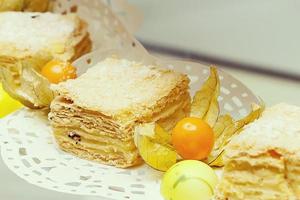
(29, 150)
(107, 28)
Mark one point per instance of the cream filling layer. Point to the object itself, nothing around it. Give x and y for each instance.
(66, 115)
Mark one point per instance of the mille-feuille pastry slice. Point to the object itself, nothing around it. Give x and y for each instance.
(25, 5)
(94, 116)
(28, 41)
(23, 35)
(263, 161)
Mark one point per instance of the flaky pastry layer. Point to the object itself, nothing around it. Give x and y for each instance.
(263, 161)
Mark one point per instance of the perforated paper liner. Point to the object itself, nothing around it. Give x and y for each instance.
(109, 21)
(30, 151)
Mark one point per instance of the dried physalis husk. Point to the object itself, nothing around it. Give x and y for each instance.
(153, 143)
(205, 102)
(205, 105)
(218, 160)
(22, 80)
(231, 129)
(40, 89)
(222, 123)
(10, 70)
(161, 135)
(11, 86)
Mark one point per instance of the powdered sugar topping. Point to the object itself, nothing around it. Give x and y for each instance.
(279, 127)
(34, 31)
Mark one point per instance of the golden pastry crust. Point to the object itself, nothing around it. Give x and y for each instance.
(25, 5)
(109, 101)
(263, 161)
(134, 91)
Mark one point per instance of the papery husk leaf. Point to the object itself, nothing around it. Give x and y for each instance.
(156, 155)
(153, 143)
(21, 80)
(213, 110)
(218, 162)
(221, 124)
(12, 87)
(203, 98)
(229, 132)
(154, 131)
(161, 135)
(39, 86)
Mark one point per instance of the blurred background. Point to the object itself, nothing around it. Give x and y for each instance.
(257, 41)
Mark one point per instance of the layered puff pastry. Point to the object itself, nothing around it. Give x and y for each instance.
(263, 162)
(25, 5)
(28, 41)
(94, 116)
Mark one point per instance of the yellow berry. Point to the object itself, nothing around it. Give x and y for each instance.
(189, 178)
